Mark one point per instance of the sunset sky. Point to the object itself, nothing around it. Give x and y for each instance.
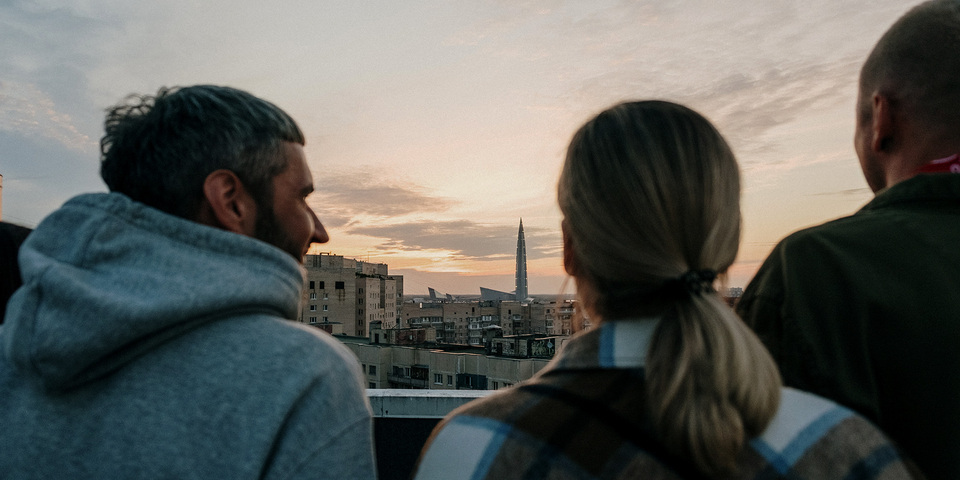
(434, 126)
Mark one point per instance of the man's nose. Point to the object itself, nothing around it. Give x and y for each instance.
(319, 233)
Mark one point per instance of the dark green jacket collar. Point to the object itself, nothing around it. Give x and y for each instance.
(921, 188)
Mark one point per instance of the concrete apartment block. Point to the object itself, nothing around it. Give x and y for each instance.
(368, 300)
(487, 315)
(407, 367)
(422, 315)
(511, 318)
(396, 305)
(375, 363)
(558, 318)
(455, 321)
(465, 322)
(329, 296)
(349, 293)
(536, 315)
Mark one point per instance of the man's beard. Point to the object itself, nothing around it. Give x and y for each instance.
(268, 229)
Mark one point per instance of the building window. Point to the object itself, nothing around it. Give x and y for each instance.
(495, 385)
(438, 378)
(406, 372)
(325, 296)
(311, 284)
(359, 301)
(313, 296)
(361, 291)
(326, 319)
(450, 380)
(313, 319)
(338, 285)
(321, 285)
(313, 308)
(373, 385)
(325, 308)
(373, 369)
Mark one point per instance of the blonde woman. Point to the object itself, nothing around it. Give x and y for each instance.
(670, 384)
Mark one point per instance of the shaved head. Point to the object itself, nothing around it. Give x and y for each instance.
(917, 65)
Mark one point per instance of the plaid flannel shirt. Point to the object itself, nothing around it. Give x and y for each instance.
(583, 417)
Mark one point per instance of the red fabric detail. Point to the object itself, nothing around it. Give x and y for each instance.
(944, 165)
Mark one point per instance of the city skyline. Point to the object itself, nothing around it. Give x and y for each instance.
(432, 126)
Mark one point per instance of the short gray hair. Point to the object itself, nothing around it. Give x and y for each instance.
(159, 149)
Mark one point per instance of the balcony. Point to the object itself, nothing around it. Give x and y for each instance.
(402, 381)
(403, 420)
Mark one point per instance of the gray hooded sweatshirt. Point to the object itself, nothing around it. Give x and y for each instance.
(143, 345)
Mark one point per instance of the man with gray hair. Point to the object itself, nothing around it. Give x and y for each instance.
(149, 339)
(866, 309)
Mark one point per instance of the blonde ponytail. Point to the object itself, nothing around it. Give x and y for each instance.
(651, 191)
(711, 385)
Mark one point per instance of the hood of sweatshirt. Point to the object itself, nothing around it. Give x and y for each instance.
(107, 279)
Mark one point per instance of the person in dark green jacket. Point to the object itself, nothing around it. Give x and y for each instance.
(865, 310)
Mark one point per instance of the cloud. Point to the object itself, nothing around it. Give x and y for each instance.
(467, 240)
(751, 68)
(367, 195)
(850, 192)
(27, 111)
(509, 15)
(747, 103)
(46, 55)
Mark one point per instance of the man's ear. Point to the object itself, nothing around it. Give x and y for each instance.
(570, 261)
(227, 204)
(884, 124)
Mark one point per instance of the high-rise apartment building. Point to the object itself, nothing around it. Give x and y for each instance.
(346, 295)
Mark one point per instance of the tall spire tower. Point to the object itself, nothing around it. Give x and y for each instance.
(521, 284)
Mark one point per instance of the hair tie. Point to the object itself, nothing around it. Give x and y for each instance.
(623, 299)
(698, 282)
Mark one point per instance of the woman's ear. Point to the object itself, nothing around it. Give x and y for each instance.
(227, 204)
(570, 261)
